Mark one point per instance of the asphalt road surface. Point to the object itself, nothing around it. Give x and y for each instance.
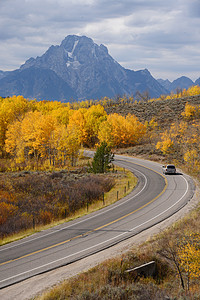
(155, 198)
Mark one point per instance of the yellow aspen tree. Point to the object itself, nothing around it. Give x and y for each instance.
(21, 138)
(58, 141)
(94, 116)
(20, 106)
(30, 133)
(45, 127)
(189, 256)
(11, 109)
(36, 130)
(117, 124)
(72, 145)
(77, 120)
(62, 114)
(4, 121)
(191, 158)
(135, 130)
(105, 133)
(119, 131)
(166, 145)
(68, 144)
(46, 107)
(171, 139)
(14, 143)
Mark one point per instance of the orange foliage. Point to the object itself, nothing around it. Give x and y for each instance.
(6, 211)
(45, 217)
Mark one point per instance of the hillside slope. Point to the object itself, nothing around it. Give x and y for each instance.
(164, 111)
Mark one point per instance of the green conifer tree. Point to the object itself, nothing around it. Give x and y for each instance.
(102, 159)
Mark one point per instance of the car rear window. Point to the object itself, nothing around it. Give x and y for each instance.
(171, 167)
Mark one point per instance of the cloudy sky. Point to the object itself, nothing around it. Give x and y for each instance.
(162, 36)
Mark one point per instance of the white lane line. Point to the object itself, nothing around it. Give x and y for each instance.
(89, 218)
(116, 237)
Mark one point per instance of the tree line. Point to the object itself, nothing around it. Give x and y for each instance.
(52, 133)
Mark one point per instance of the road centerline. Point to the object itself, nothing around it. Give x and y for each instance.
(95, 229)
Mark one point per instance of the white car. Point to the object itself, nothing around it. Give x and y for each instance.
(169, 169)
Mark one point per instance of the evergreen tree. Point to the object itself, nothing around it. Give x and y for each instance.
(102, 159)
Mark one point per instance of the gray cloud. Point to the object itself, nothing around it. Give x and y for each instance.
(162, 36)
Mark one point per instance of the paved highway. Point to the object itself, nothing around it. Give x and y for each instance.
(155, 198)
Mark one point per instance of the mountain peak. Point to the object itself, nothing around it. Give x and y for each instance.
(83, 48)
(86, 68)
(71, 39)
(182, 82)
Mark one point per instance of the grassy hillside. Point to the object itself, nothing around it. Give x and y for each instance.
(165, 112)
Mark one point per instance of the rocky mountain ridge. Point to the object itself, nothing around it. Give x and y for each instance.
(76, 69)
(180, 83)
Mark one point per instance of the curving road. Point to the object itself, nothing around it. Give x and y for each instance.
(155, 198)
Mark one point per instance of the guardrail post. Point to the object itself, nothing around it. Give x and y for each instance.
(34, 222)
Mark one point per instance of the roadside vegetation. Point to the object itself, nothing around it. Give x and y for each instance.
(38, 199)
(40, 148)
(33, 201)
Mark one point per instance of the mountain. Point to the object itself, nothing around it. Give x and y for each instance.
(76, 69)
(35, 83)
(1, 74)
(165, 83)
(197, 82)
(4, 73)
(179, 84)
